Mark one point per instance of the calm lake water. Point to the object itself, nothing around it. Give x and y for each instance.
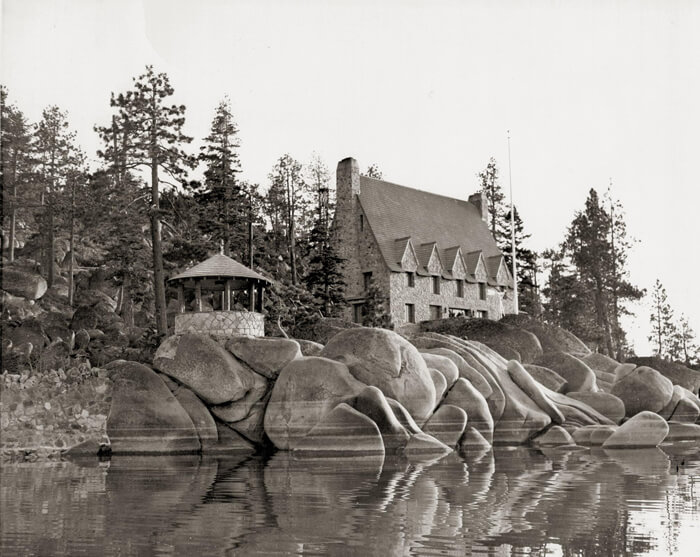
(500, 502)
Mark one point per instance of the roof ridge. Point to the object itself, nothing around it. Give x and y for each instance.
(415, 189)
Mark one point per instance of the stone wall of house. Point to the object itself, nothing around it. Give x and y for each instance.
(421, 295)
(221, 324)
(353, 237)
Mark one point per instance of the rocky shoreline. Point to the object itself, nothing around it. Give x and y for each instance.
(367, 391)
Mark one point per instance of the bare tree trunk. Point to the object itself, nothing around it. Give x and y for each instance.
(156, 235)
(71, 245)
(602, 315)
(250, 227)
(13, 217)
(51, 248)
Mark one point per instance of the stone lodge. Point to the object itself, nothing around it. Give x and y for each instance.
(429, 255)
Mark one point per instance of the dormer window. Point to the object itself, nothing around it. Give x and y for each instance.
(411, 279)
(482, 291)
(460, 288)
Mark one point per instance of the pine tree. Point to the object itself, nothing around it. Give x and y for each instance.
(55, 149)
(152, 137)
(683, 345)
(17, 166)
(286, 201)
(526, 262)
(663, 329)
(600, 265)
(222, 198)
(324, 277)
(494, 196)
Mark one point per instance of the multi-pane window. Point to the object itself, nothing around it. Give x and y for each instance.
(436, 285)
(482, 291)
(367, 279)
(435, 312)
(410, 313)
(411, 279)
(460, 288)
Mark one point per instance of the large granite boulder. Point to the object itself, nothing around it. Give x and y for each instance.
(237, 410)
(533, 389)
(575, 412)
(553, 437)
(145, 417)
(372, 403)
(31, 331)
(465, 396)
(464, 369)
(477, 373)
(205, 367)
(678, 431)
(267, 356)
(440, 384)
(686, 411)
(499, 334)
(447, 424)
(343, 431)
(305, 391)
(609, 405)
(552, 337)
(95, 316)
(199, 414)
(547, 377)
(677, 373)
(646, 429)
(26, 284)
(386, 360)
(600, 362)
(643, 389)
(309, 347)
(593, 435)
(446, 366)
(522, 418)
(422, 445)
(402, 415)
(578, 375)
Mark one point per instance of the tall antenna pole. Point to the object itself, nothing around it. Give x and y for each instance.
(512, 233)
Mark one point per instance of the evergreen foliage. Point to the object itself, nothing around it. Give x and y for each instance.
(588, 282)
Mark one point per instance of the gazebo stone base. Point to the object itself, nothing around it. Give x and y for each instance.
(221, 324)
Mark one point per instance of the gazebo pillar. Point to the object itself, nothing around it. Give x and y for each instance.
(251, 294)
(227, 295)
(261, 298)
(198, 295)
(181, 297)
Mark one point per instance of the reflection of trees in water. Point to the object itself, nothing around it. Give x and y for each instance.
(495, 501)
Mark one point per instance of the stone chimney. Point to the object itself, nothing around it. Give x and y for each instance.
(346, 230)
(478, 199)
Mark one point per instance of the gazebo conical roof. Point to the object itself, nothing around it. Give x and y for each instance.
(220, 265)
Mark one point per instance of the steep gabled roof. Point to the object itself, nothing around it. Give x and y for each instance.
(395, 211)
(220, 265)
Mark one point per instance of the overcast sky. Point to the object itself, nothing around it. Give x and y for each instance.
(591, 91)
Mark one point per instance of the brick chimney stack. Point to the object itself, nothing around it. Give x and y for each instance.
(478, 199)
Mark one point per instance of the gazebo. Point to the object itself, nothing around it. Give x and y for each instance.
(234, 296)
